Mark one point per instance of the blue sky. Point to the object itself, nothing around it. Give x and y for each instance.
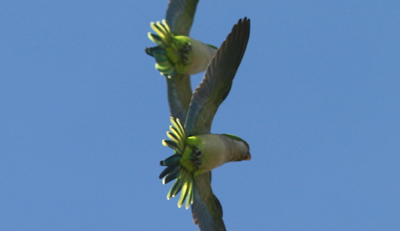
(83, 113)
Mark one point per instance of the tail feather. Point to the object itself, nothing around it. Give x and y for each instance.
(152, 51)
(163, 31)
(175, 170)
(164, 39)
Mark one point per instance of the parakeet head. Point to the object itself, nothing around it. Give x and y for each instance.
(243, 145)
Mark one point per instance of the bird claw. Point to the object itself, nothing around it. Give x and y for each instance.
(196, 155)
(186, 48)
(185, 58)
(185, 51)
(197, 163)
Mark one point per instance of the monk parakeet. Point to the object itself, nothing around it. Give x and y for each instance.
(197, 151)
(178, 55)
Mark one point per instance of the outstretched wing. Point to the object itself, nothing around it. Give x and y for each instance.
(216, 84)
(217, 80)
(206, 208)
(179, 95)
(180, 14)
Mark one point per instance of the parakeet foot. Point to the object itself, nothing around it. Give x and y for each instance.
(195, 157)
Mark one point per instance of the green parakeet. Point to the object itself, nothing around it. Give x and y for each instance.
(178, 55)
(196, 150)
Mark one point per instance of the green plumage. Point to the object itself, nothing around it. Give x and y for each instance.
(178, 54)
(172, 52)
(195, 156)
(175, 170)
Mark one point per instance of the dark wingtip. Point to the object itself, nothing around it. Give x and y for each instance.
(245, 19)
(148, 51)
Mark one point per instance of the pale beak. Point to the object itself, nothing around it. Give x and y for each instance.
(248, 157)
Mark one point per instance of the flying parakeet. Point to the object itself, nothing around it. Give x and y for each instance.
(197, 151)
(178, 55)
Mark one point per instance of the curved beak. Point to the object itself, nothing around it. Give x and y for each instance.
(248, 156)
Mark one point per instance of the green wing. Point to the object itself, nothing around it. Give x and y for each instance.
(179, 94)
(206, 208)
(180, 14)
(217, 81)
(214, 88)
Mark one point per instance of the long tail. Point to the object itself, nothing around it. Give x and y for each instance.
(164, 39)
(184, 179)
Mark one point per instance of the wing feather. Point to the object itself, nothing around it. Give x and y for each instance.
(217, 80)
(206, 209)
(180, 15)
(179, 95)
